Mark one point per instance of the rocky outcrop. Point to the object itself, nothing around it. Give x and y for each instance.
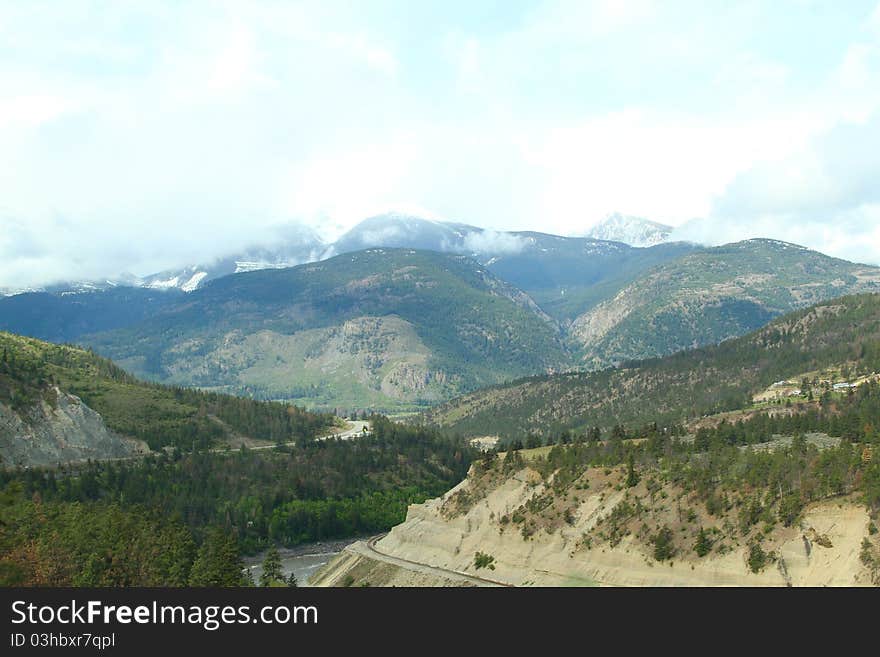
(59, 429)
(823, 550)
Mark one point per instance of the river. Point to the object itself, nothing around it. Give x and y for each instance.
(303, 560)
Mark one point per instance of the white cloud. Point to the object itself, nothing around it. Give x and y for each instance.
(874, 21)
(167, 131)
(665, 167)
(494, 242)
(836, 171)
(611, 15)
(31, 110)
(350, 185)
(824, 196)
(585, 18)
(376, 57)
(236, 64)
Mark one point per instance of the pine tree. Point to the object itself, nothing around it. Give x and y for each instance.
(703, 544)
(631, 477)
(757, 558)
(663, 545)
(271, 568)
(292, 581)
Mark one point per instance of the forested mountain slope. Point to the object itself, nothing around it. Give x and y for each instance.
(712, 295)
(60, 403)
(379, 328)
(400, 329)
(844, 331)
(178, 519)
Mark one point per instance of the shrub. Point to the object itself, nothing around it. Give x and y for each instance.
(483, 560)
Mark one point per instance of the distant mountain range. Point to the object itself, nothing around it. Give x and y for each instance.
(298, 244)
(379, 328)
(295, 246)
(398, 328)
(564, 275)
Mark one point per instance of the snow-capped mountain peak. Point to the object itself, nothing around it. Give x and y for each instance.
(634, 231)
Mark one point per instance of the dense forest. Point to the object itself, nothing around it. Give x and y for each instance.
(109, 523)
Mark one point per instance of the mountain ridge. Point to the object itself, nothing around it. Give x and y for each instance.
(391, 326)
(689, 383)
(712, 295)
(401, 329)
(298, 244)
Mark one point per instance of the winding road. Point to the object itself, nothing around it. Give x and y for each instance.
(368, 549)
(352, 430)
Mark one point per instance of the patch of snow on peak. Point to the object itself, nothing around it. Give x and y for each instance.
(194, 281)
(634, 231)
(256, 265)
(167, 284)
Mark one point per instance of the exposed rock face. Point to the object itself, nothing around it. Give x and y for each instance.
(822, 551)
(374, 356)
(59, 429)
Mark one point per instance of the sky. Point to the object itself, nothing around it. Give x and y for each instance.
(141, 135)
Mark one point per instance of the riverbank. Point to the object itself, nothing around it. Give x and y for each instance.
(302, 560)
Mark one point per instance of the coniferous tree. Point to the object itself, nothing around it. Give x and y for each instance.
(271, 568)
(631, 477)
(663, 545)
(218, 562)
(703, 544)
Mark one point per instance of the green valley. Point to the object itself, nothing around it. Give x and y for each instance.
(79, 506)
